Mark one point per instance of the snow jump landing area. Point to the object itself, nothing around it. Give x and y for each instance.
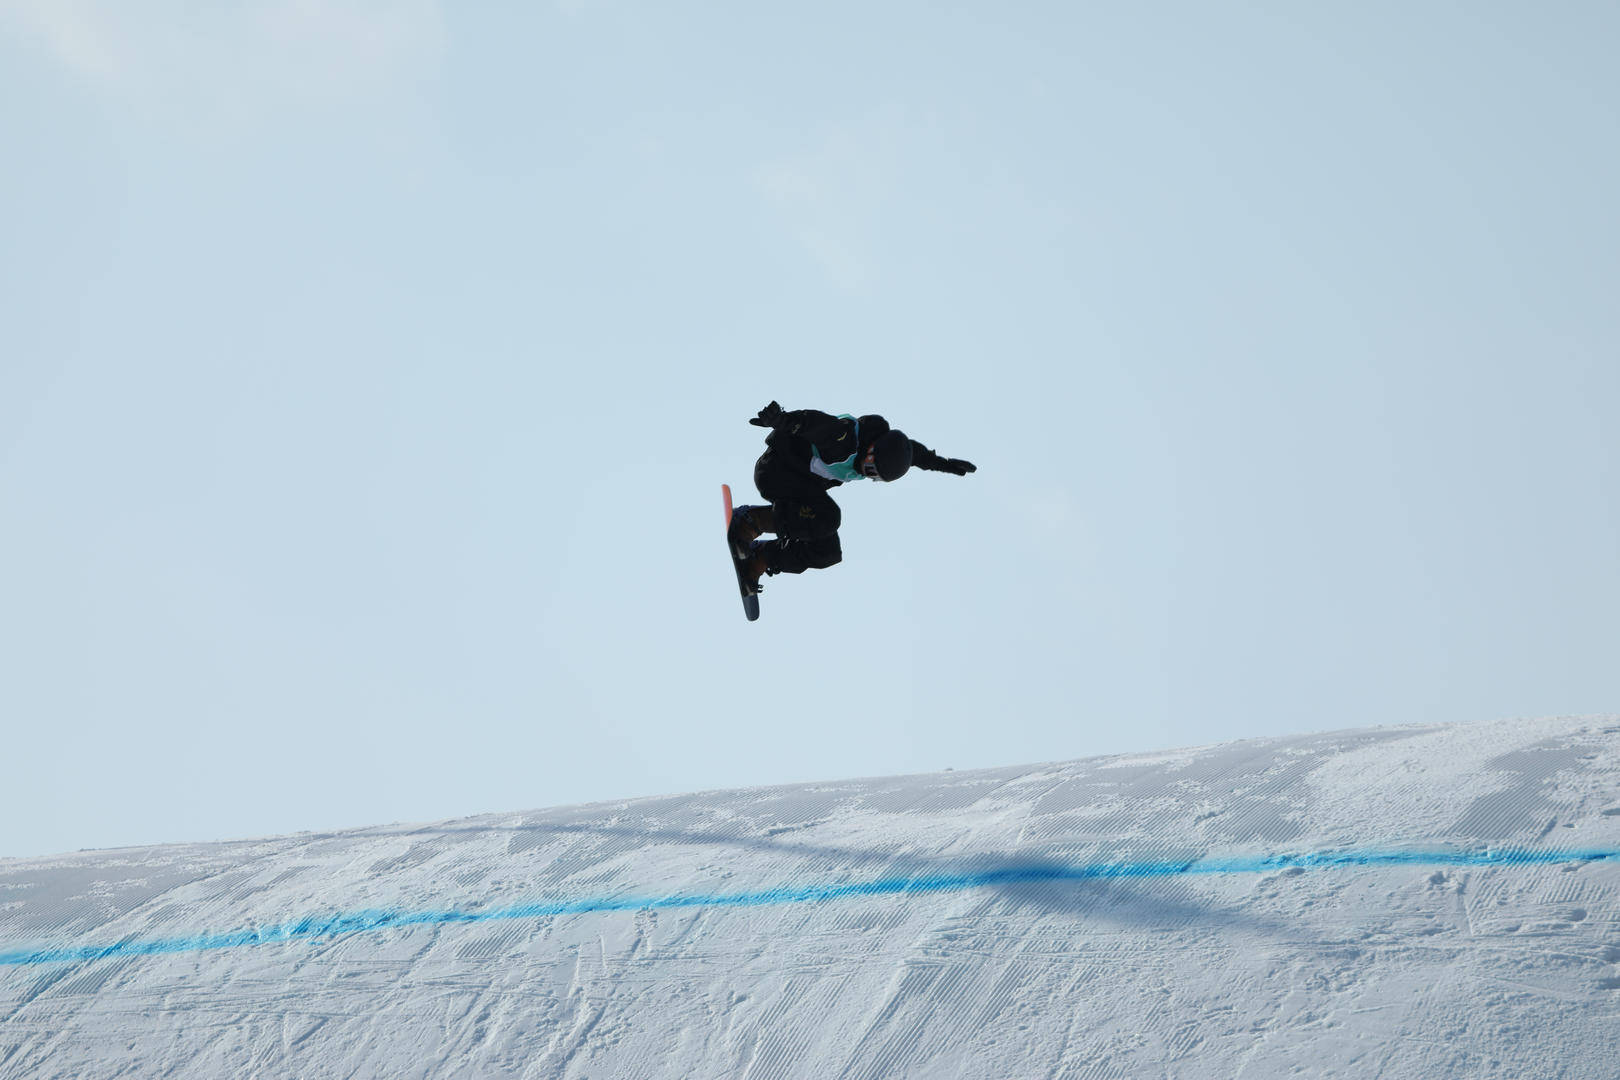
(1423, 902)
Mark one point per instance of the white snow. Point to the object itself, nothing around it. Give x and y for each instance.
(966, 926)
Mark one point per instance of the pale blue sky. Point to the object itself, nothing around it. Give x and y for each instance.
(368, 373)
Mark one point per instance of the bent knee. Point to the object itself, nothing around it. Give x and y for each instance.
(825, 552)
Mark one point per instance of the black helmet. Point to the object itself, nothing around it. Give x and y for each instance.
(888, 457)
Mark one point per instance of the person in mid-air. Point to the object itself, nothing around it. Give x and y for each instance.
(808, 453)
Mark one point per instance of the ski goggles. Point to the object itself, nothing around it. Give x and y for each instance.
(869, 464)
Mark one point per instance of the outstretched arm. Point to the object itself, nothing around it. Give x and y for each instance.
(924, 458)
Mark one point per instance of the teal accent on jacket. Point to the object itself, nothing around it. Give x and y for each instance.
(842, 471)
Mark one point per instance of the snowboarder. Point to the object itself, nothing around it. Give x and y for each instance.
(808, 453)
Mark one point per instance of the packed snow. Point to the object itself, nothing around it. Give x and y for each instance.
(1393, 902)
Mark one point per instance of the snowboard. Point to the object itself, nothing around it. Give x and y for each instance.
(750, 597)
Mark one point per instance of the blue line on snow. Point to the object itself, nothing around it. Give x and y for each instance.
(326, 926)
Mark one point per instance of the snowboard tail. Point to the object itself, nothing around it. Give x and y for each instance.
(750, 597)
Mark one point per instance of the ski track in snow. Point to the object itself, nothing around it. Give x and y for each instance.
(1396, 902)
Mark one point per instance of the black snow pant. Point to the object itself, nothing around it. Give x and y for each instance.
(807, 519)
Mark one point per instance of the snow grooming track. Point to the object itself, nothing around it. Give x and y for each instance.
(1392, 902)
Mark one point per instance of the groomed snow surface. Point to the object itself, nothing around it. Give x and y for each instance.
(1398, 902)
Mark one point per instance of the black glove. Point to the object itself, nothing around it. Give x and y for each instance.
(769, 416)
(957, 467)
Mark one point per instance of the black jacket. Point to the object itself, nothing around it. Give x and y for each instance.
(798, 438)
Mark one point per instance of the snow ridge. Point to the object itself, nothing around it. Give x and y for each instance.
(1393, 902)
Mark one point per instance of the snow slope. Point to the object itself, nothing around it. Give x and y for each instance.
(1398, 902)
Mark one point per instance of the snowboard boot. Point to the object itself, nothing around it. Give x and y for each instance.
(753, 563)
(747, 524)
